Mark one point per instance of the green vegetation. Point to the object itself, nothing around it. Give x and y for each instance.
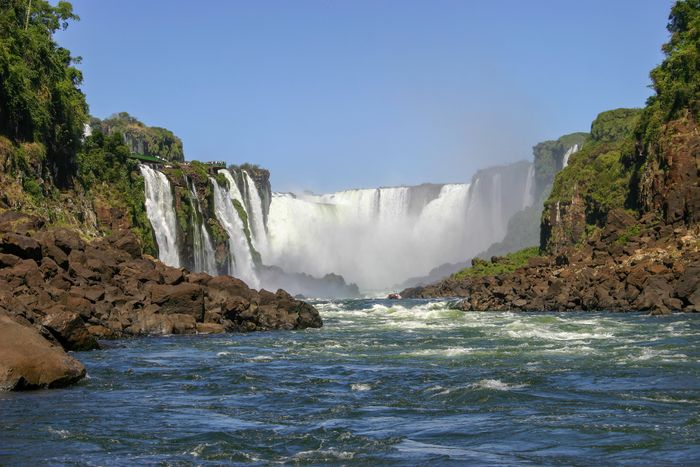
(257, 259)
(141, 139)
(549, 157)
(33, 189)
(145, 158)
(247, 166)
(218, 234)
(614, 126)
(501, 265)
(677, 84)
(598, 172)
(677, 79)
(39, 87)
(630, 232)
(199, 169)
(106, 170)
(184, 211)
(608, 172)
(221, 180)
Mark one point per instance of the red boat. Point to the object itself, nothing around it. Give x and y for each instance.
(394, 296)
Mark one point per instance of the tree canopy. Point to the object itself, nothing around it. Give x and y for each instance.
(677, 80)
(40, 98)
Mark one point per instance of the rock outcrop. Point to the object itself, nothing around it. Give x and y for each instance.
(77, 292)
(628, 266)
(30, 361)
(670, 180)
(142, 139)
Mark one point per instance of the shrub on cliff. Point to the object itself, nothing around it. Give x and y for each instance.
(106, 172)
(548, 159)
(597, 172)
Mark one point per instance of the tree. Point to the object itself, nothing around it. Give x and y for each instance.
(40, 98)
(677, 79)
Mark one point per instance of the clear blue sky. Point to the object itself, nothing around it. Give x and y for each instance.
(333, 94)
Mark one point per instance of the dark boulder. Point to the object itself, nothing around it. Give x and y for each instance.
(69, 329)
(185, 298)
(29, 361)
(20, 245)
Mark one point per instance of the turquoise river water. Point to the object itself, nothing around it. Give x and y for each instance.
(399, 383)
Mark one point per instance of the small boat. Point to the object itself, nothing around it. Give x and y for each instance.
(394, 296)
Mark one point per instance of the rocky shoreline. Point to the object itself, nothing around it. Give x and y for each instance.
(630, 265)
(60, 293)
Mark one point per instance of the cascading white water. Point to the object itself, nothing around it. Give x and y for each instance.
(241, 260)
(255, 215)
(360, 204)
(529, 198)
(568, 154)
(379, 237)
(161, 213)
(245, 202)
(203, 251)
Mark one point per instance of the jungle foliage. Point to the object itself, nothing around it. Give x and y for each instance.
(40, 98)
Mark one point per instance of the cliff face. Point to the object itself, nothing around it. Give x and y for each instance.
(669, 179)
(550, 157)
(596, 180)
(620, 228)
(261, 178)
(142, 139)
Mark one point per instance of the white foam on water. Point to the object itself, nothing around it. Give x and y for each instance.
(199, 449)
(360, 387)
(664, 355)
(62, 433)
(448, 352)
(670, 401)
(261, 358)
(539, 332)
(572, 349)
(496, 385)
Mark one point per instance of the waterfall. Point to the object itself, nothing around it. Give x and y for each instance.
(235, 193)
(379, 237)
(568, 154)
(362, 205)
(241, 262)
(374, 237)
(256, 218)
(529, 195)
(202, 249)
(161, 213)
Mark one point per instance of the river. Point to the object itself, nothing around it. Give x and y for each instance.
(404, 383)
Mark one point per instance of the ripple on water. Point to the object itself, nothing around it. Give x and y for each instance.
(403, 382)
